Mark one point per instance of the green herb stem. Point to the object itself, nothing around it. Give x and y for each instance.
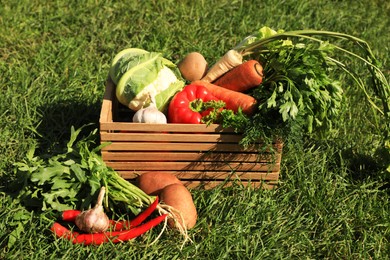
(244, 50)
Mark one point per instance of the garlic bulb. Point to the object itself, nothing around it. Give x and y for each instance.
(150, 115)
(94, 220)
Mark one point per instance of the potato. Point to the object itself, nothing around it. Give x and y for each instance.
(153, 182)
(180, 198)
(193, 66)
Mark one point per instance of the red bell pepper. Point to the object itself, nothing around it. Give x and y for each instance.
(191, 104)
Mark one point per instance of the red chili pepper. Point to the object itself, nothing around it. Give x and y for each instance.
(187, 105)
(61, 231)
(99, 238)
(70, 215)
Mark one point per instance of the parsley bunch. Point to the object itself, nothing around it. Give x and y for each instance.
(300, 91)
(298, 84)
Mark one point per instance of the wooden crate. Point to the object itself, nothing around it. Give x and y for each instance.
(199, 155)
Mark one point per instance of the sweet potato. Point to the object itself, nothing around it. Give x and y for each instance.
(153, 182)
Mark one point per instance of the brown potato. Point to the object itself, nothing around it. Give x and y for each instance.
(153, 182)
(193, 66)
(180, 198)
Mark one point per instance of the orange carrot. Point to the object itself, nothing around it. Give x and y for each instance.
(232, 99)
(243, 77)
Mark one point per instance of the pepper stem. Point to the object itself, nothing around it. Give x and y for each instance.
(197, 105)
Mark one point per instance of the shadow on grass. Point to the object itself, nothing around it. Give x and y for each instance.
(57, 120)
(362, 167)
(54, 130)
(359, 166)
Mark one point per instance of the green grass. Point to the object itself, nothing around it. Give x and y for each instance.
(333, 199)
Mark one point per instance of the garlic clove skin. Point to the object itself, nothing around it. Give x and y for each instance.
(150, 115)
(93, 221)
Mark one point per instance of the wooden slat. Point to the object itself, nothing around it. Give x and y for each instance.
(189, 156)
(178, 128)
(210, 184)
(204, 184)
(168, 137)
(209, 175)
(203, 166)
(106, 111)
(168, 146)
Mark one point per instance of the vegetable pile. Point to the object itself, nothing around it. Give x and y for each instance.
(269, 85)
(70, 181)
